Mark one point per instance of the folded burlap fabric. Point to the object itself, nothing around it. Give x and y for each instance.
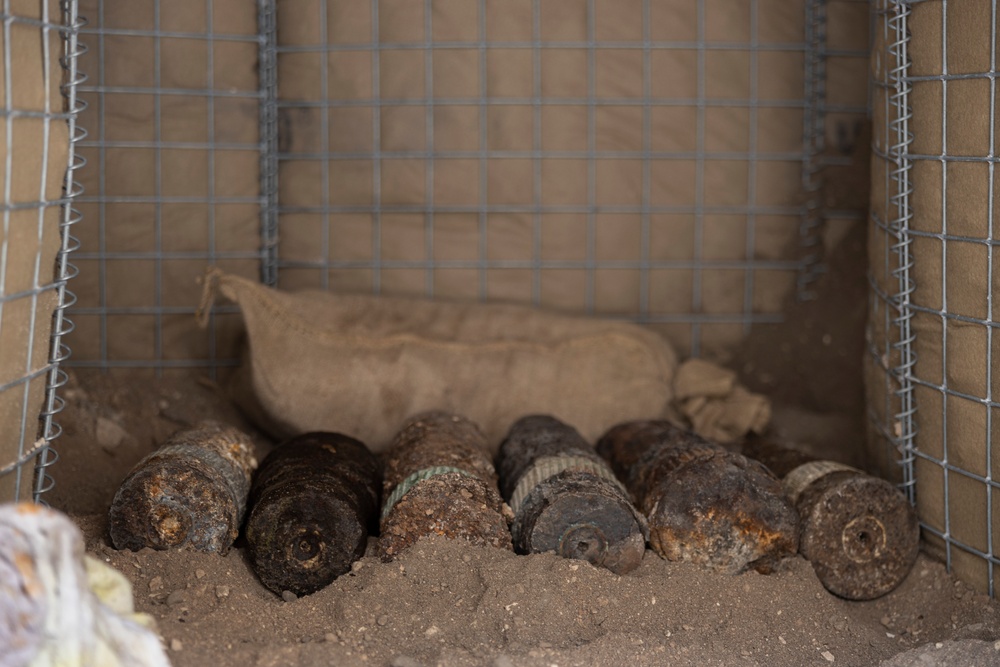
(709, 401)
(361, 364)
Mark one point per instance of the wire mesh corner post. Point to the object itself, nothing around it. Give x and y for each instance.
(904, 428)
(64, 270)
(814, 140)
(890, 337)
(268, 33)
(38, 111)
(890, 356)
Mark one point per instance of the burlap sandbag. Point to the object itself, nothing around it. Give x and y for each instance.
(362, 364)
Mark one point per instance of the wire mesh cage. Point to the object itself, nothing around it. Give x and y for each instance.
(38, 112)
(935, 289)
(641, 162)
(626, 161)
(179, 178)
(660, 161)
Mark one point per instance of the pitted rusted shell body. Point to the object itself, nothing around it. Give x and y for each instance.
(703, 503)
(439, 480)
(566, 499)
(860, 532)
(312, 504)
(189, 493)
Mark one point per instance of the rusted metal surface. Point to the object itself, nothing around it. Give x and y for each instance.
(859, 532)
(565, 498)
(189, 493)
(439, 480)
(623, 445)
(777, 458)
(312, 504)
(703, 503)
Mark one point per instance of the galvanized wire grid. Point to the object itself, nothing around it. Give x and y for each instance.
(138, 263)
(838, 50)
(19, 293)
(931, 325)
(323, 264)
(180, 146)
(952, 456)
(145, 322)
(268, 70)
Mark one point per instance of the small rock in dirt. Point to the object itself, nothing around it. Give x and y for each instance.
(382, 620)
(176, 645)
(503, 661)
(357, 565)
(155, 584)
(827, 656)
(199, 573)
(176, 598)
(329, 638)
(431, 631)
(222, 591)
(109, 434)
(405, 661)
(840, 624)
(289, 596)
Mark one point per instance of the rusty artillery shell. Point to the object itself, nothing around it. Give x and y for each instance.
(312, 503)
(439, 481)
(191, 492)
(565, 498)
(703, 503)
(859, 532)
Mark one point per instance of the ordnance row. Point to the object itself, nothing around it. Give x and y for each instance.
(309, 508)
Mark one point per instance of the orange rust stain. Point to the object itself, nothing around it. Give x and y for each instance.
(26, 566)
(28, 508)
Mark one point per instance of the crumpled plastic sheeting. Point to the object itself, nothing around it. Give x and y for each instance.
(60, 607)
(709, 401)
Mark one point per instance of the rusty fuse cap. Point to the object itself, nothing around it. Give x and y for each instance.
(312, 504)
(860, 532)
(565, 498)
(189, 493)
(703, 503)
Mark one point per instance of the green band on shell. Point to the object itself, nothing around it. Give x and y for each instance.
(403, 487)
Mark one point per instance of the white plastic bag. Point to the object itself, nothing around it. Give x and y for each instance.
(60, 607)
